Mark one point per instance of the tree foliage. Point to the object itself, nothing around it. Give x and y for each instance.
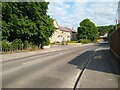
(111, 30)
(87, 30)
(105, 29)
(27, 21)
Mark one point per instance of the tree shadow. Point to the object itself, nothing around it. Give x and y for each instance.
(80, 60)
(102, 61)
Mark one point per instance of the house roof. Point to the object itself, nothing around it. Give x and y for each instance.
(67, 29)
(63, 28)
(56, 24)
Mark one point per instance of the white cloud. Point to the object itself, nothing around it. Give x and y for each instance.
(82, 1)
(71, 14)
(103, 13)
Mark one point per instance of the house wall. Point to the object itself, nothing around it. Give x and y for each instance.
(59, 36)
(55, 37)
(55, 24)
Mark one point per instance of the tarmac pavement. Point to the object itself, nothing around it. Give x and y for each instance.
(72, 66)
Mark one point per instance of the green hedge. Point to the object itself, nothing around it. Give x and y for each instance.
(25, 44)
(5, 45)
(72, 41)
(84, 41)
(16, 45)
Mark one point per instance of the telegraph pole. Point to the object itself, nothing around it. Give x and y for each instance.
(118, 15)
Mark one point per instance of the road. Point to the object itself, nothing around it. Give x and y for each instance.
(57, 69)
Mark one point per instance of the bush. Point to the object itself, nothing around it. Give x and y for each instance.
(5, 45)
(34, 47)
(25, 44)
(46, 41)
(31, 46)
(95, 41)
(84, 41)
(17, 44)
(10, 47)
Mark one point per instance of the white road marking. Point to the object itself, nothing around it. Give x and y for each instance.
(97, 57)
(29, 62)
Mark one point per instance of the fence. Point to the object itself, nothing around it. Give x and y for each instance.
(115, 42)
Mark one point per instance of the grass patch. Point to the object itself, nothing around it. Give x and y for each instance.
(84, 41)
(72, 41)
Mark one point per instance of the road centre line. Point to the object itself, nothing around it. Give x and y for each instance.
(29, 62)
(39, 59)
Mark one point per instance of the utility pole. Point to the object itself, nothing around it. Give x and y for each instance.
(118, 15)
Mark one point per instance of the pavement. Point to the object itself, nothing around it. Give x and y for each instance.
(102, 71)
(61, 67)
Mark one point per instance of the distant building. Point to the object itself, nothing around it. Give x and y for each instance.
(105, 35)
(62, 34)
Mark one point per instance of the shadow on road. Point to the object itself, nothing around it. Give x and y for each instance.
(80, 60)
(102, 61)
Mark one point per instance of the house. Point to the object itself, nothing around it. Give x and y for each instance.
(62, 34)
(104, 37)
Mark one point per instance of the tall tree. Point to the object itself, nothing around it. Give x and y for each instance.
(27, 21)
(87, 30)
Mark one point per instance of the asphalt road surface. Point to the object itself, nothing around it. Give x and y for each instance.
(58, 69)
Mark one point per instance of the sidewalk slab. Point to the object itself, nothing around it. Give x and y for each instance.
(102, 71)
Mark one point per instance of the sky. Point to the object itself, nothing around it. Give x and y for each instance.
(69, 13)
